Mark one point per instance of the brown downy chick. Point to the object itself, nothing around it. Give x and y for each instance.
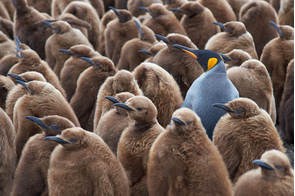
(84, 165)
(32, 170)
(136, 141)
(237, 57)
(122, 81)
(114, 121)
(197, 21)
(6, 85)
(7, 46)
(90, 80)
(172, 4)
(184, 161)
(276, 56)
(153, 51)
(161, 88)
(163, 21)
(74, 66)
(133, 6)
(130, 56)
(64, 37)
(286, 13)
(235, 36)
(244, 134)
(273, 177)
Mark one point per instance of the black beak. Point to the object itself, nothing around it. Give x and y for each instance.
(112, 99)
(145, 51)
(24, 85)
(56, 139)
(222, 106)
(16, 77)
(47, 23)
(262, 164)
(115, 10)
(176, 10)
(177, 120)
(66, 51)
(37, 121)
(277, 28)
(143, 8)
(123, 105)
(88, 60)
(162, 38)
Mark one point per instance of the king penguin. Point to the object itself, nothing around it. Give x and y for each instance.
(211, 86)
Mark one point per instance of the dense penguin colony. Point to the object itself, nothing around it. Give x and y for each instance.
(146, 97)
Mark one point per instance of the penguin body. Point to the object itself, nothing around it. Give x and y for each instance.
(213, 85)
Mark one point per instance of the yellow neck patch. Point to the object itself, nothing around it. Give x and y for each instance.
(211, 63)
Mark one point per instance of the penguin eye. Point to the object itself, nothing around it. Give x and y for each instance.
(239, 111)
(73, 140)
(278, 166)
(139, 109)
(53, 127)
(188, 122)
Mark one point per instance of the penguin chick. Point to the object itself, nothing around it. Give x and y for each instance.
(7, 62)
(122, 81)
(41, 100)
(118, 32)
(274, 177)
(237, 57)
(29, 28)
(8, 154)
(236, 6)
(255, 15)
(30, 61)
(182, 67)
(81, 150)
(114, 121)
(184, 161)
(6, 45)
(253, 81)
(244, 134)
(74, 66)
(133, 6)
(163, 21)
(197, 21)
(130, 58)
(286, 13)
(136, 141)
(235, 36)
(64, 37)
(19, 91)
(153, 51)
(32, 170)
(6, 85)
(221, 10)
(172, 4)
(286, 114)
(88, 84)
(276, 56)
(211, 87)
(84, 11)
(161, 88)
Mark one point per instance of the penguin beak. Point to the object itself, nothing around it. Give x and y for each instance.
(145, 51)
(47, 23)
(17, 43)
(18, 55)
(143, 8)
(186, 49)
(277, 28)
(177, 120)
(37, 121)
(16, 77)
(221, 25)
(162, 38)
(223, 57)
(65, 51)
(123, 105)
(24, 85)
(87, 59)
(56, 139)
(115, 10)
(176, 10)
(138, 25)
(222, 106)
(112, 99)
(262, 164)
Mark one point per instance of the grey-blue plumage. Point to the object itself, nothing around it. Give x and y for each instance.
(213, 86)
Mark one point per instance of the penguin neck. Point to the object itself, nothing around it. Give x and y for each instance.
(218, 68)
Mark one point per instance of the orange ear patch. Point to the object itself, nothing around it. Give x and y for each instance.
(212, 62)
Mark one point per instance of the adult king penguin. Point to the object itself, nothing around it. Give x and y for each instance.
(211, 86)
